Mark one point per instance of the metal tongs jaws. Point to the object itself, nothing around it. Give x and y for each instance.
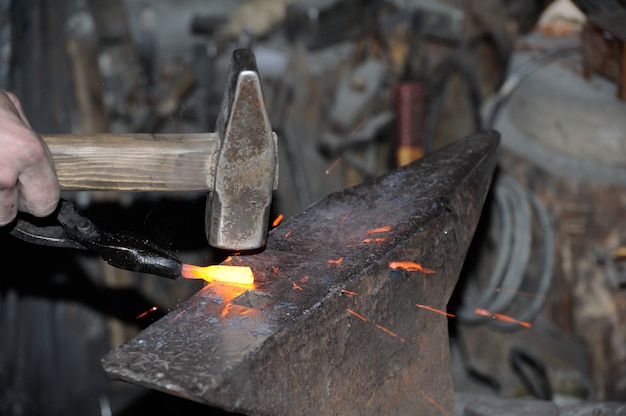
(68, 228)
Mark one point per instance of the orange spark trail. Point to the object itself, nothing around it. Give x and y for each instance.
(345, 217)
(338, 261)
(141, 315)
(409, 266)
(287, 234)
(393, 334)
(440, 312)
(379, 230)
(374, 240)
(226, 309)
(382, 328)
(331, 167)
(304, 279)
(433, 402)
(501, 317)
(278, 220)
(349, 137)
(361, 317)
(295, 286)
(347, 292)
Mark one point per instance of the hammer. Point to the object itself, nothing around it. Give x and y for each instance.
(237, 164)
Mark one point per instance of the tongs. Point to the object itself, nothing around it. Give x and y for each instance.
(66, 227)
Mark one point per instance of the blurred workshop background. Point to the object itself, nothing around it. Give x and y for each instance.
(354, 89)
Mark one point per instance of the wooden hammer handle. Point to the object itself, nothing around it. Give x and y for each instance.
(134, 162)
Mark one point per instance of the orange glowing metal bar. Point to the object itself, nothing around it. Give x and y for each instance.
(502, 317)
(439, 311)
(141, 315)
(409, 266)
(338, 261)
(278, 220)
(379, 230)
(220, 273)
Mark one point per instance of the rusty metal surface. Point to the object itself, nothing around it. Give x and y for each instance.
(329, 328)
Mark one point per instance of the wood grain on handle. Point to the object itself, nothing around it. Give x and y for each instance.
(134, 162)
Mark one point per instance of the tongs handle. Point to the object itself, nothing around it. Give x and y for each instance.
(123, 250)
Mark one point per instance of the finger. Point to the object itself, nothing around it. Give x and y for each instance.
(8, 205)
(38, 187)
(17, 107)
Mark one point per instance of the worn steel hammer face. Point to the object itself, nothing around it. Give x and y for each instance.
(342, 318)
(247, 164)
(238, 162)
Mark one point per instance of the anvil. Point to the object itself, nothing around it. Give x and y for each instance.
(332, 325)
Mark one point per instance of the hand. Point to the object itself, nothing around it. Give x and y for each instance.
(28, 180)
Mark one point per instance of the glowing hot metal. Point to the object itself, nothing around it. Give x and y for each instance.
(219, 273)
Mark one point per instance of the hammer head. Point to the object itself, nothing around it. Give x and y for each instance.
(246, 171)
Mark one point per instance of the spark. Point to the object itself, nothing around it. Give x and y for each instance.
(226, 309)
(374, 240)
(278, 220)
(378, 326)
(331, 167)
(345, 217)
(177, 316)
(304, 279)
(336, 162)
(439, 311)
(287, 234)
(368, 241)
(338, 261)
(433, 402)
(347, 292)
(361, 317)
(296, 287)
(379, 230)
(141, 315)
(501, 317)
(409, 266)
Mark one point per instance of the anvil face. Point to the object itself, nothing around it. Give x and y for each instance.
(329, 327)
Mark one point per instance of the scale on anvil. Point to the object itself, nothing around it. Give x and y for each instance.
(321, 336)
